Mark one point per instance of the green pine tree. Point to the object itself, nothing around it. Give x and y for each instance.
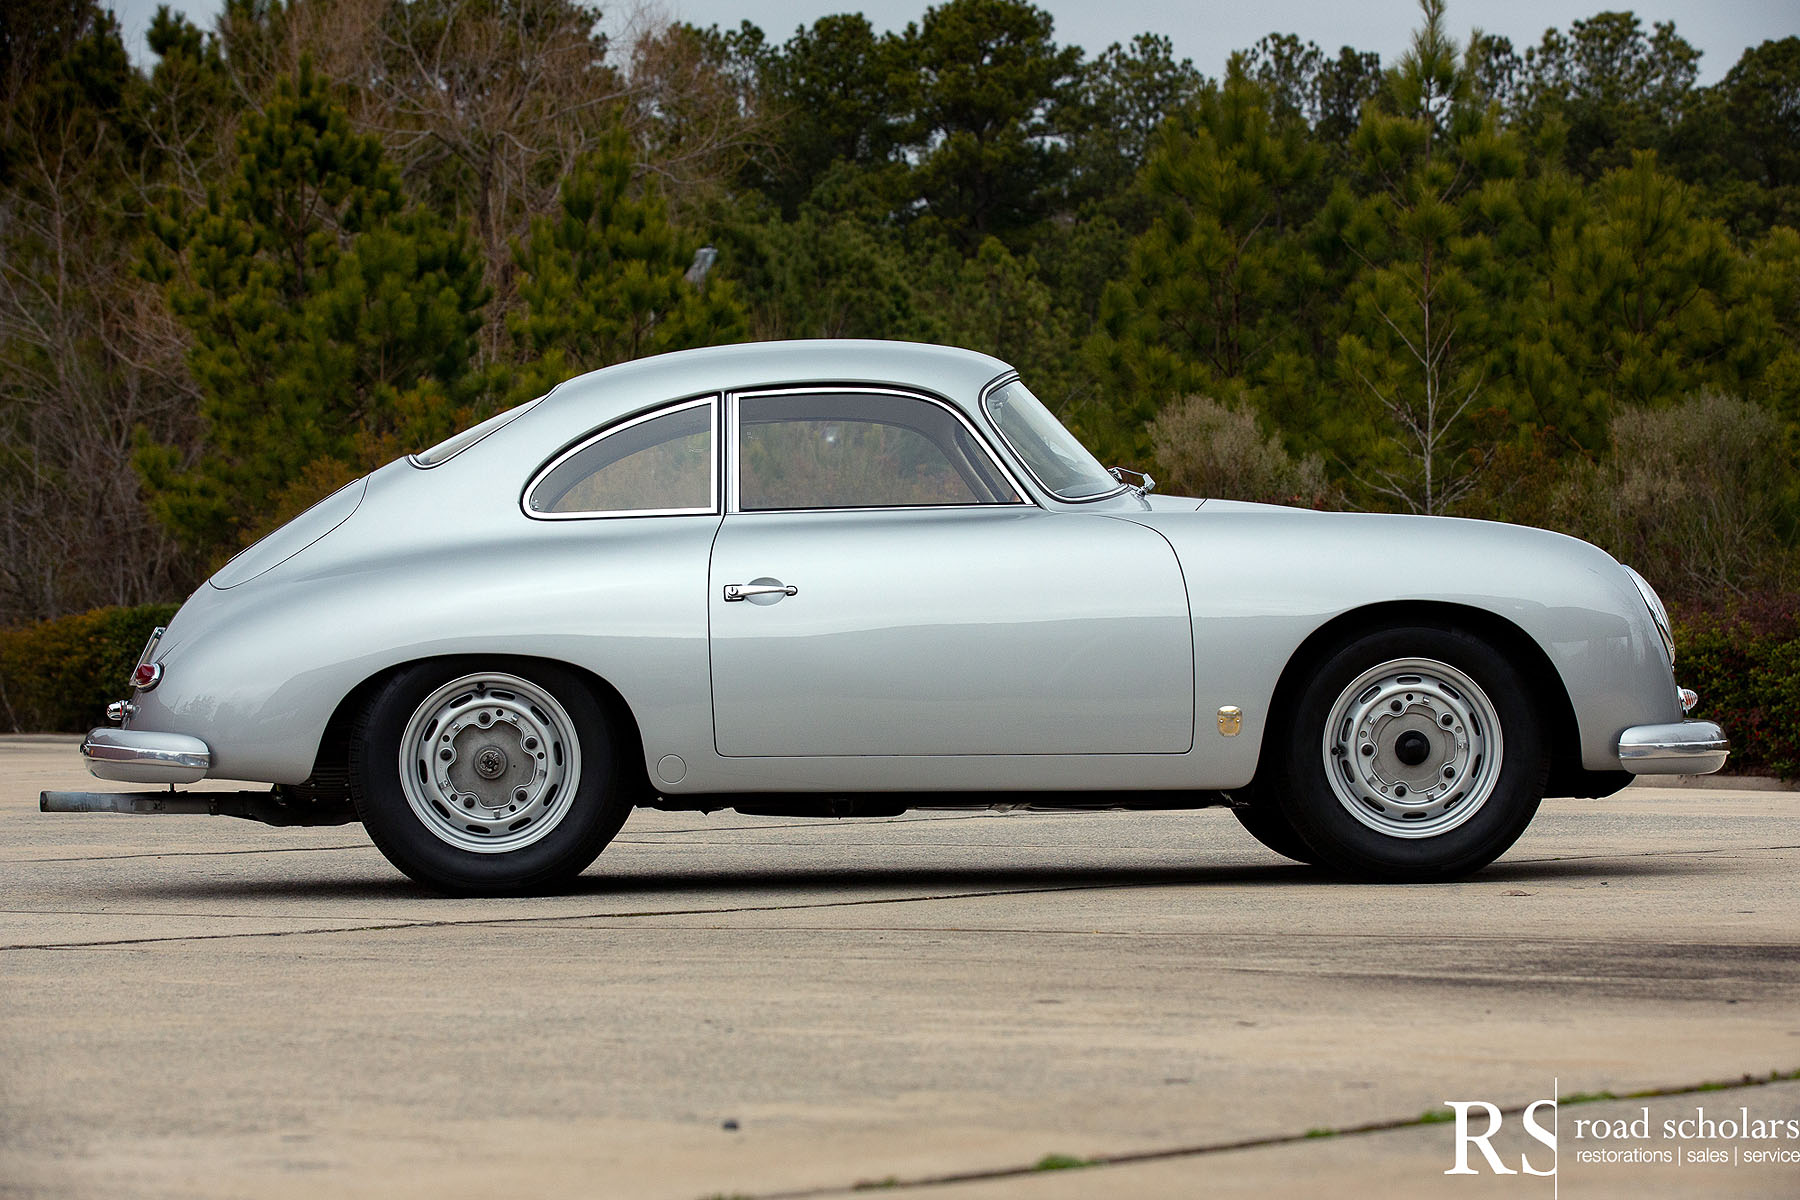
(1643, 298)
(993, 93)
(603, 280)
(836, 270)
(332, 326)
(1219, 287)
(1421, 335)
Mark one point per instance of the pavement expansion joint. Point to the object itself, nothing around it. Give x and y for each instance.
(548, 918)
(1685, 852)
(1430, 1117)
(187, 853)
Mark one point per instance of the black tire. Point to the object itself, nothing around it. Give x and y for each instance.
(1265, 822)
(1436, 707)
(557, 758)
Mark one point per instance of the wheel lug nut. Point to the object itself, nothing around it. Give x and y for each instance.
(1367, 750)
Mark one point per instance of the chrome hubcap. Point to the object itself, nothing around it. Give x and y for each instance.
(490, 763)
(1412, 748)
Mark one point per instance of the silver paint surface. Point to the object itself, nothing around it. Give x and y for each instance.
(1002, 630)
(1053, 646)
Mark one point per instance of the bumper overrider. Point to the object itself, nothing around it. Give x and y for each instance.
(1681, 748)
(143, 757)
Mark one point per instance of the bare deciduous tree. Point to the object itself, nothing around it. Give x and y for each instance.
(88, 357)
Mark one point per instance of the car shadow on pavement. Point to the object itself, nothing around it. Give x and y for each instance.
(775, 884)
(1058, 878)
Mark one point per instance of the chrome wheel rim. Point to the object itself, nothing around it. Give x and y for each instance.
(1412, 748)
(490, 763)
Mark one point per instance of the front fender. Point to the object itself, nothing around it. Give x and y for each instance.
(1264, 579)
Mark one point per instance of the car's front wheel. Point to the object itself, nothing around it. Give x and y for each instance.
(1265, 820)
(487, 778)
(1413, 754)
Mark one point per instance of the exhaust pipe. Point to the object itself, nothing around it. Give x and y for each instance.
(270, 808)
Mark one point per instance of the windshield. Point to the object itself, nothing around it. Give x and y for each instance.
(1050, 452)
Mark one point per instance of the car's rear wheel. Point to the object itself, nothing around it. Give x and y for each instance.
(1412, 754)
(487, 778)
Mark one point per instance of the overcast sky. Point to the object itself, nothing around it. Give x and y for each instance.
(1208, 32)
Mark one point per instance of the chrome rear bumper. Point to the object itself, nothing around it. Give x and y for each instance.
(142, 757)
(1682, 748)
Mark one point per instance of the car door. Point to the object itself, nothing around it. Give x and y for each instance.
(881, 586)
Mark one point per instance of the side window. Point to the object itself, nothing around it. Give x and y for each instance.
(663, 463)
(859, 450)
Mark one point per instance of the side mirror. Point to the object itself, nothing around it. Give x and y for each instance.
(1144, 485)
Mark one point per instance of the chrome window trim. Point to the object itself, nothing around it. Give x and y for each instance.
(710, 400)
(733, 495)
(989, 390)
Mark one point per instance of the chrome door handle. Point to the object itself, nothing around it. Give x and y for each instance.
(743, 591)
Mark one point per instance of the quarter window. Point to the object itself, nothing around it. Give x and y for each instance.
(859, 450)
(663, 463)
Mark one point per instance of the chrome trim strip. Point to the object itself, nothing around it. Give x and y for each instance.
(1659, 613)
(712, 508)
(1680, 748)
(417, 459)
(733, 479)
(149, 649)
(996, 385)
(733, 447)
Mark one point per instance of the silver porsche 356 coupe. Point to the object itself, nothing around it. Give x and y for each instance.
(847, 578)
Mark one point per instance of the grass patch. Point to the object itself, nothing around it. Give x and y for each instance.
(1724, 1085)
(1061, 1162)
(1586, 1097)
(1715, 1085)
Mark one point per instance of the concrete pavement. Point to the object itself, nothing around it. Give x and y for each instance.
(750, 1006)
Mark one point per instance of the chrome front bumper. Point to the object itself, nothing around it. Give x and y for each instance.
(135, 757)
(1683, 748)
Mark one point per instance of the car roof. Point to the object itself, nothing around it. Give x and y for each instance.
(948, 371)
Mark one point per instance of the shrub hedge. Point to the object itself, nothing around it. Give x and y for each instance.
(1746, 667)
(58, 675)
